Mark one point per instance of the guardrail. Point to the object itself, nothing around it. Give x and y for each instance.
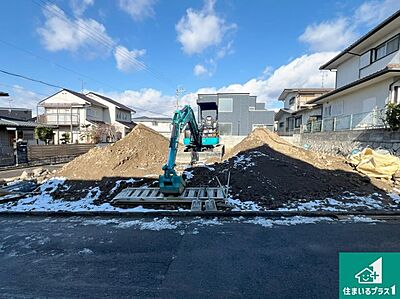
(358, 121)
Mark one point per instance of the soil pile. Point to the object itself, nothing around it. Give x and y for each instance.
(141, 153)
(261, 136)
(272, 172)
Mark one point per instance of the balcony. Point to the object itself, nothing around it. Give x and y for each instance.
(61, 119)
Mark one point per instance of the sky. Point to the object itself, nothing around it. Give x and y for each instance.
(140, 51)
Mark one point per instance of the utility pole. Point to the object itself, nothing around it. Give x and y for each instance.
(179, 91)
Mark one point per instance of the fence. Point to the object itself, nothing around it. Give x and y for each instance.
(56, 153)
(358, 121)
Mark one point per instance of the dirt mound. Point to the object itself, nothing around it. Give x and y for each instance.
(142, 152)
(260, 137)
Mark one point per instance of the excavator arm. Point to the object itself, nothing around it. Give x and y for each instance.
(170, 182)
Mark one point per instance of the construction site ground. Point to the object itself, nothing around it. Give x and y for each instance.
(265, 173)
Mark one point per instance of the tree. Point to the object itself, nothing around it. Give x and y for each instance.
(393, 116)
(65, 138)
(44, 134)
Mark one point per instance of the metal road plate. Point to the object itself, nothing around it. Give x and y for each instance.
(154, 195)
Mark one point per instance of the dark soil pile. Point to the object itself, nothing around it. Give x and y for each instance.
(141, 153)
(268, 170)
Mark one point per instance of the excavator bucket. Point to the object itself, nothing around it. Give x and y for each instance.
(172, 185)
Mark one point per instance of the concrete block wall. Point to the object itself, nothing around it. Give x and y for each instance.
(342, 143)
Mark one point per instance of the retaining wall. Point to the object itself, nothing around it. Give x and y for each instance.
(342, 143)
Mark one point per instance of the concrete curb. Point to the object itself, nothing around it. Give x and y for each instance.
(183, 214)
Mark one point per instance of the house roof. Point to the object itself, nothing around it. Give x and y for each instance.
(77, 94)
(386, 27)
(5, 121)
(375, 77)
(282, 112)
(130, 125)
(119, 105)
(286, 91)
(3, 94)
(145, 118)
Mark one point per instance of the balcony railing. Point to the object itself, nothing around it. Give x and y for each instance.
(358, 121)
(63, 119)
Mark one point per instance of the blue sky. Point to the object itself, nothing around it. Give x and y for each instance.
(139, 51)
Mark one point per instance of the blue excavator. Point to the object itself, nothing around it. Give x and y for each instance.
(204, 137)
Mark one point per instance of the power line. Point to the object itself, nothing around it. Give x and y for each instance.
(57, 86)
(109, 43)
(30, 79)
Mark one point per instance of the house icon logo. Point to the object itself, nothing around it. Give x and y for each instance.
(372, 274)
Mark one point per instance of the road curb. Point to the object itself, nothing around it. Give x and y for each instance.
(182, 214)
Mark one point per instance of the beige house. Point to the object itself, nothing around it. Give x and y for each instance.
(297, 109)
(78, 115)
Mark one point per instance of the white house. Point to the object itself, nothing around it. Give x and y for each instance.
(367, 76)
(297, 109)
(76, 114)
(160, 124)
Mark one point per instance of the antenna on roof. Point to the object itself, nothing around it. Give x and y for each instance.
(179, 91)
(324, 74)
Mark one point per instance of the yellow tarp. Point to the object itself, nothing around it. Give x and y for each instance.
(374, 164)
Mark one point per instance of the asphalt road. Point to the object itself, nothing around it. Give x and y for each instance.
(17, 172)
(121, 258)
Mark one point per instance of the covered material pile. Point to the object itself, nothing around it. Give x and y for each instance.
(375, 164)
(141, 153)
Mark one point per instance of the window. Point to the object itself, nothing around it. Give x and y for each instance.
(225, 128)
(380, 52)
(281, 124)
(297, 122)
(392, 45)
(251, 108)
(225, 105)
(154, 123)
(259, 126)
(386, 48)
(328, 111)
(291, 101)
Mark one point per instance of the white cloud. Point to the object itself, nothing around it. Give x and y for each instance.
(21, 97)
(138, 9)
(329, 35)
(62, 33)
(200, 70)
(300, 72)
(128, 60)
(199, 30)
(79, 6)
(373, 12)
(332, 35)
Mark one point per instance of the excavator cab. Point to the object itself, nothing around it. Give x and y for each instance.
(208, 126)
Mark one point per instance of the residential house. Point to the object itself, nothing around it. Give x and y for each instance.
(367, 78)
(238, 113)
(297, 109)
(160, 124)
(15, 126)
(79, 115)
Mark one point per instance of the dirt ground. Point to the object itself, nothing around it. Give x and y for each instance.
(263, 168)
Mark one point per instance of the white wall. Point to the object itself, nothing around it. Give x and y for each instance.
(359, 101)
(164, 128)
(347, 72)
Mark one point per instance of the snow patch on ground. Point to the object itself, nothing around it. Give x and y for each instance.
(44, 201)
(295, 220)
(348, 202)
(118, 184)
(243, 205)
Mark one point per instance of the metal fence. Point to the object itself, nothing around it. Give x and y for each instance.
(358, 121)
